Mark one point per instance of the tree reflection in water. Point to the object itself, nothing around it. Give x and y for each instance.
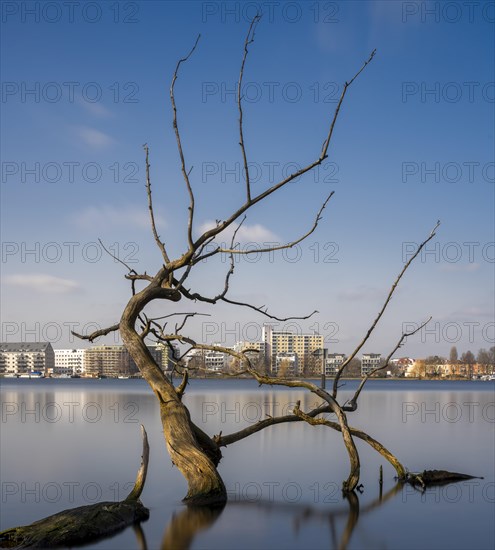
(183, 528)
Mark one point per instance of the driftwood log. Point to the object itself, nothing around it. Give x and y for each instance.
(86, 523)
(433, 478)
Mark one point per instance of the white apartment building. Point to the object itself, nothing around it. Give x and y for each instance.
(333, 362)
(17, 358)
(370, 361)
(215, 361)
(69, 362)
(207, 360)
(307, 347)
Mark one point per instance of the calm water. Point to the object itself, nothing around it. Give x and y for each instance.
(67, 443)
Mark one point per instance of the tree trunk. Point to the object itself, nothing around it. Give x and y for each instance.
(205, 486)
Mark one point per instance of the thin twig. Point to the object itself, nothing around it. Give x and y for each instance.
(249, 40)
(158, 241)
(185, 173)
(273, 248)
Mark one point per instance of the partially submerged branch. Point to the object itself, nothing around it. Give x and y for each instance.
(434, 478)
(143, 469)
(399, 468)
(86, 523)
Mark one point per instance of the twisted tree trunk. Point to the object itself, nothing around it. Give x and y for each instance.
(205, 486)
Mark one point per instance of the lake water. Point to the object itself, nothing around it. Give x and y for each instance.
(67, 443)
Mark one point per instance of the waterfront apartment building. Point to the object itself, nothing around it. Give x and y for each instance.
(307, 347)
(109, 361)
(333, 362)
(114, 361)
(207, 360)
(18, 358)
(370, 361)
(69, 362)
(215, 361)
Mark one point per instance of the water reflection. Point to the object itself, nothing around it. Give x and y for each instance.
(89, 454)
(182, 530)
(184, 526)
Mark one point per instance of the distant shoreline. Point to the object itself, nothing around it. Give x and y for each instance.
(317, 379)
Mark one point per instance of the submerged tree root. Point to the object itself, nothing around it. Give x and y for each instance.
(85, 523)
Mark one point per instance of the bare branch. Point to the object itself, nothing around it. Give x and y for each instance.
(384, 307)
(138, 277)
(399, 468)
(178, 284)
(261, 309)
(249, 40)
(207, 235)
(353, 478)
(181, 388)
(185, 173)
(187, 316)
(298, 416)
(175, 314)
(265, 312)
(158, 241)
(229, 439)
(200, 250)
(222, 296)
(337, 109)
(116, 257)
(146, 328)
(274, 248)
(352, 406)
(96, 333)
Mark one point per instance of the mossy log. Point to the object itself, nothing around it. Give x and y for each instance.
(84, 524)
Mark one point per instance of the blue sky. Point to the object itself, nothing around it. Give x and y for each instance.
(85, 86)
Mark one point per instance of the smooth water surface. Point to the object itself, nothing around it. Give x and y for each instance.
(67, 443)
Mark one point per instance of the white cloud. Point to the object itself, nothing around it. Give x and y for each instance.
(360, 293)
(471, 312)
(40, 282)
(247, 233)
(96, 109)
(95, 217)
(468, 268)
(94, 138)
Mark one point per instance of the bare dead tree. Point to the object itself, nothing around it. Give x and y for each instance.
(195, 453)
